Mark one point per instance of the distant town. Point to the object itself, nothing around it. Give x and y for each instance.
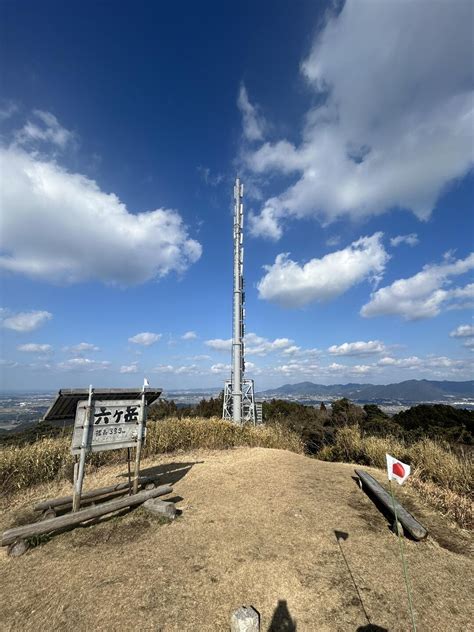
(20, 409)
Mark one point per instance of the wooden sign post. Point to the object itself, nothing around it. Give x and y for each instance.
(80, 465)
(107, 425)
(104, 419)
(140, 438)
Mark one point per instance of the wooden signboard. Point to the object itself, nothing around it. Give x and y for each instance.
(113, 425)
(109, 419)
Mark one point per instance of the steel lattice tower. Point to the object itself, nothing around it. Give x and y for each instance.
(239, 398)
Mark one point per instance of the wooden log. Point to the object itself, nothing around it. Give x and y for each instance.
(83, 515)
(408, 522)
(91, 494)
(160, 508)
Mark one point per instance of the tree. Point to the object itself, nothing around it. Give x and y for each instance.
(345, 413)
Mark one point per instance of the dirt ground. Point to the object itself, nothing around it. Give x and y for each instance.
(257, 528)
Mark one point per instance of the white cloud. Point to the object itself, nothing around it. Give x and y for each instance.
(410, 240)
(218, 344)
(359, 348)
(163, 368)
(390, 130)
(295, 368)
(220, 368)
(292, 285)
(190, 369)
(189, 335)
(33, 347)
(83, 364)
(422, 295)
(45, 127)
(358, 369)
(146, 338)
(252, 122)
(406, 363)
(463, 331)
(254, 345)
(81, 348)
(26, 321)
(77, 232)
(131, 368)
(294, 349)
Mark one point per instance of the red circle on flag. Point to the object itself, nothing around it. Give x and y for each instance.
(398, 470)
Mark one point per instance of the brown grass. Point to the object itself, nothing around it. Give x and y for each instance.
(444, 477)
(257, 528)
(50, 459)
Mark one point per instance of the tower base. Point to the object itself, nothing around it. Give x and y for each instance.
(249, 408)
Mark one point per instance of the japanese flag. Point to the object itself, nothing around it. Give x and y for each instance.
(396, 470)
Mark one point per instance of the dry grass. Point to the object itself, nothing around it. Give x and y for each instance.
(257, 528)
(50, 459)
(445, 478)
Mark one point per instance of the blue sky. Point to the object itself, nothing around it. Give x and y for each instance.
(123, 127)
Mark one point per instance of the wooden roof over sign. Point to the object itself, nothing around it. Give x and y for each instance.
(64, 406)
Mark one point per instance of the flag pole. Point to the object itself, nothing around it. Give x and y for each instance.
(404, 565)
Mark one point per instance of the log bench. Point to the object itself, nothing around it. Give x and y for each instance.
(408, 522)
(16, 538)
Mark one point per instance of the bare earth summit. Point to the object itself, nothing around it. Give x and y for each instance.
(257, 528)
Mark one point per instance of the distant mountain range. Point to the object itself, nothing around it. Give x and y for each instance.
(408, 391)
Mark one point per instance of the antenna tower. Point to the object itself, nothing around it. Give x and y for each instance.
(239, 398)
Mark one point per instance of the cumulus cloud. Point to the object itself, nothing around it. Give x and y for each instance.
(424, 294)
(354, 370)
(254, 345)
(189, 335)
(190, 369)
(26, 321)
(293, 285)
(77, 232)
(145, 339)
(463, 331)
(466, 333)
(219, 344)
(33, 347)
(82, 347)
(294, 349)
(410, 240)
(257, 345)
(220, 368)
(131, 368)
(357, 348)
(83, 364)
(252, 122)
(390, 136)
(406, 363)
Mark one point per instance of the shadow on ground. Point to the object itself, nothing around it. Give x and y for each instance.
(166, 474)
(282, 620)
